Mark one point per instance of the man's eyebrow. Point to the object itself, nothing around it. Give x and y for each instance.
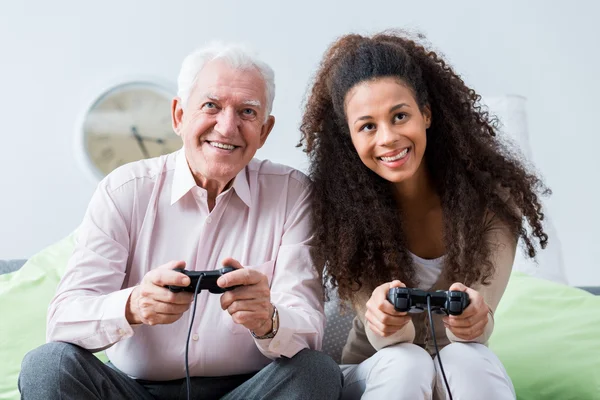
(254, 103)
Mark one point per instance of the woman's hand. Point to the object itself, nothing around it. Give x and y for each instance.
(381, 316)
(471, 323)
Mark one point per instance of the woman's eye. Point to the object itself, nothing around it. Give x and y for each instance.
(367, 127)
(399, 117)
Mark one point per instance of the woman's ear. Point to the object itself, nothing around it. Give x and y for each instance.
(427, 115)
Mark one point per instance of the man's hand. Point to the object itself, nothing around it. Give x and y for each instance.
(471, 323)
(151, 303)
(250, 304)
(381, 316)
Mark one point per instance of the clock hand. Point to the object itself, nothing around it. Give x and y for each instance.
(140, 141)
(151, 139)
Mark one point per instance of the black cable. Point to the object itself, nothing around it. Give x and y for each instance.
(437, 352)
(187, 343)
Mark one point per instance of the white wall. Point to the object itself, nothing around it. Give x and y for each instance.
(56, 56)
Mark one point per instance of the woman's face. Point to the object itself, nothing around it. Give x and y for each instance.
(387, 128)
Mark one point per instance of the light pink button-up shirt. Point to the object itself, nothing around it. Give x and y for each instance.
(150, 212)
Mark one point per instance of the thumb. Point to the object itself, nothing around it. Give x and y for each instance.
(164, 274)
(458, 287)
(396, 283)
(231, 262)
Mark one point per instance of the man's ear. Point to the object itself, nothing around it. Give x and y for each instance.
(266, 129)
(427, 115)
(177, 115)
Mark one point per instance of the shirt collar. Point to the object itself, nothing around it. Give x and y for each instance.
(241, 186)
(183, 181)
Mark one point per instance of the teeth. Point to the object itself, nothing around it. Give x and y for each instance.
(222, 145)
(396, 157)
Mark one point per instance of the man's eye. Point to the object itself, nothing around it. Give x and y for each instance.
(209, 105)
(248, 111)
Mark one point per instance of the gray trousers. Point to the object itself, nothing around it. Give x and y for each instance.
(65, 371)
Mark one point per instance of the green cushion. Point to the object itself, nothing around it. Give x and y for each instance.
(547, 335)
(24, 298)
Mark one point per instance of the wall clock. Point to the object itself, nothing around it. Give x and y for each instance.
(128, 122)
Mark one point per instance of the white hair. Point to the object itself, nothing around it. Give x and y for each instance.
(236, 55)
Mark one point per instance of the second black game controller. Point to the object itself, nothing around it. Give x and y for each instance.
(415, 300)
(209, 281)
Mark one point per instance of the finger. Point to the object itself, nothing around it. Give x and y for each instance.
(251, 292)
(379, 300)
(241, 277)
(153, 311)
(169, 308)
(164, 275)
(462, 321)
(469, 312)
(469, 333)
(385, 328)
(377, 331)
(389, 320)
(231, 262)
(254, 305)
(250, 319)
(459, 287)
(153, 292)
(228, 262)
(166, 296)
(475, 299)
(396, 283)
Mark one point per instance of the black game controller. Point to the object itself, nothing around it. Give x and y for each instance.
(415, 301)
(209, 281)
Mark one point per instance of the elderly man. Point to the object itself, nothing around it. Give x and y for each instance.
(208, 205)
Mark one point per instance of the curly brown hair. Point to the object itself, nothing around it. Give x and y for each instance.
(354, 208)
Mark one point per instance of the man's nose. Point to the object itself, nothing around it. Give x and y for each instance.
(227, 122)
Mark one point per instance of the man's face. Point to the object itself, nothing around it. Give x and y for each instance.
(223, 123)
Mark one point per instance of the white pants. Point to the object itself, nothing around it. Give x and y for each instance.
(406, 371)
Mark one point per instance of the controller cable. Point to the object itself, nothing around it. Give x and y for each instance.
(187, 342)
(437, 352)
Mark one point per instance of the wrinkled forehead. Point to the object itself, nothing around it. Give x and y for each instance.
(221, 81)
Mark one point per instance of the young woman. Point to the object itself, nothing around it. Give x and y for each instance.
(414, 189)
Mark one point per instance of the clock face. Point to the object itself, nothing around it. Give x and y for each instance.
(130, 122)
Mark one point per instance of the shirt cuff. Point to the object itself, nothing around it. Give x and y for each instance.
(114, 322)
(283, 343)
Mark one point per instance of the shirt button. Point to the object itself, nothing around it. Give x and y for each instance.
(121, 332)
(276, 344)
(195, 337)
(208, 220)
